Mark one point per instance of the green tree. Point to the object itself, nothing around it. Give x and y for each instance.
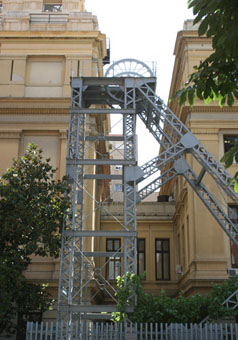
(216, 78)
(164, 309)
(32, 207)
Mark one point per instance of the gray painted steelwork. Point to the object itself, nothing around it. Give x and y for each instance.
(231, 302)
(101, 162)
(103, 233)
(136, 331)
(129, 68)
(101, 254)
(105, 138)
(105, 111)
(79, 271)
(102, 176)
(130, 97)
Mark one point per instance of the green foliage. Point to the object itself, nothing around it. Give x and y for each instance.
(219, 294)
(164, 309)
(228, 158)
(216, 77)
(32, 207)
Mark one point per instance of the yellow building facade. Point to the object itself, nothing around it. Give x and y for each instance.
(43, 44)
(203, 249)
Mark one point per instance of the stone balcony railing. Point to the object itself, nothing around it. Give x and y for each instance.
(145, 210)
(46, 18)
(48, 21)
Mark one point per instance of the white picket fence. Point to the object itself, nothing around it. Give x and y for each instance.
(120, 331)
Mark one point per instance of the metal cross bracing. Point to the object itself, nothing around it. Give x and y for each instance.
(180, 166)
(129, 184)
(82, 274)
(230, 303)
(176, 139)
(71, 266)
(163, 124)
(81, 271)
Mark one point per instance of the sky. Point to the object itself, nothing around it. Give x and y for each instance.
(145, 30)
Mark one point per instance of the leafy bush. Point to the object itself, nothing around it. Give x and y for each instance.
(164, 309)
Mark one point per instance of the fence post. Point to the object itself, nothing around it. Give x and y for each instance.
(36, 330)
(134, 331)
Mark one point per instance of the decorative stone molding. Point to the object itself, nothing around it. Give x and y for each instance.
(63, 134)
(34, 111)
(209, 108)
(204, 131)
(10, 134)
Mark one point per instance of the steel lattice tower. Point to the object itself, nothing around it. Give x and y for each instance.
(129, 97)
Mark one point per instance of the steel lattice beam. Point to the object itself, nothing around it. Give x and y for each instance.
(162, 118)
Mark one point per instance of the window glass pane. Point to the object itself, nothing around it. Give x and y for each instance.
(117, 268)
(111, 270)
(52, 7)
(141, 245)
(233, 213)
(234, 254)
(113, 263)
(158, 245)
(162, 258)
(165, 245)
(109, 245)
(116, 244)
(166, 266)
(159, 266)
(141, 263)
(118, 187)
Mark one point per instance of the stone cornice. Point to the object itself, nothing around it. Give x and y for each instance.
(182, 114)
(204, 131)
(38, 100)
(51, 35)
(34, 106)
(34, 111)
(10, 134)
(209, 108)
(185, 36)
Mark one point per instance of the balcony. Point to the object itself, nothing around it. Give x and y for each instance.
(48, 18)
